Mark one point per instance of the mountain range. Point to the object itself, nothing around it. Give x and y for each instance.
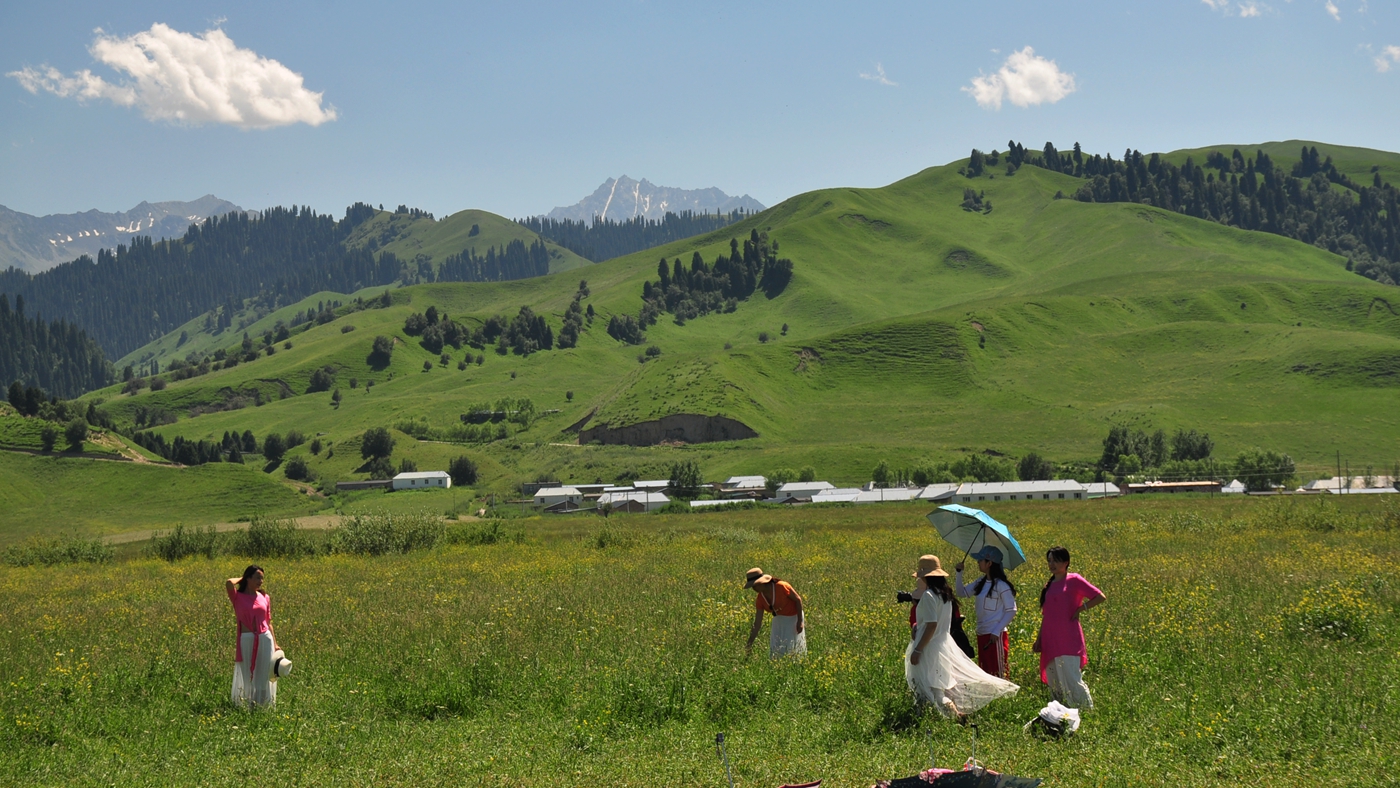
(38, 243)
(622, 198)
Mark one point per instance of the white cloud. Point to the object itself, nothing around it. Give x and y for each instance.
(1240, 8)
(1333, 10)
(1389, 57)
(1024, 79)
(184, 78)
(878, 76)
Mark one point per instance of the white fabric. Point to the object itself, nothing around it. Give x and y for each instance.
(254, 687)
(1067, 682)
(1057, 714)
(944, 672)
(995, 609)
(783, 637)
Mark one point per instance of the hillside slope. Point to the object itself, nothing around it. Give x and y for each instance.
(409, 236)
(914, 329)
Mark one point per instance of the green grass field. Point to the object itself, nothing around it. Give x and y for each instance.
(596, 653)
(44, 496)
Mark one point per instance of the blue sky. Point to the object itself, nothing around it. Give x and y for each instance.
(518, 107)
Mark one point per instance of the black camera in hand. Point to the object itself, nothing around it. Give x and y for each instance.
(904, 596)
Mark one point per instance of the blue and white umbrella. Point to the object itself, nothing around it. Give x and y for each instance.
(970, 529)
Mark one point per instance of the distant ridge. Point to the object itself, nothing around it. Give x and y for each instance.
(622, 198)
(38, 243)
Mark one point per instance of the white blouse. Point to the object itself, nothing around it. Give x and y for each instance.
(995, 608)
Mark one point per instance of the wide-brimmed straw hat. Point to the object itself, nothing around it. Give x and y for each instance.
(930, 565)
(281, 666)
(756, 576)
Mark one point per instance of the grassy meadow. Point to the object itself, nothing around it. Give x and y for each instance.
(1244, 641)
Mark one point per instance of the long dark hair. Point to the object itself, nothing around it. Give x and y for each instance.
(247, 573)
(939, 586)
(995, 573)
(1059, 555)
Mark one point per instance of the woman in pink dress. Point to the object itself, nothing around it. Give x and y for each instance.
(1060, 641)
(252, 673)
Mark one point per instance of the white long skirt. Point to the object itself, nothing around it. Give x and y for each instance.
(254, 687)
(783, 637)
(945, 674)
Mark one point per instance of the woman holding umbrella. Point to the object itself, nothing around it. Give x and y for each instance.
(1060, 642)
(996, 606)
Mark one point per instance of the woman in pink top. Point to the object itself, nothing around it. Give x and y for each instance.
(252, 673)
(1060, 641)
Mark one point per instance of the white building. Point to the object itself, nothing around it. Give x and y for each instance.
(549, 496)
(1344, 483)
(650, 501)
(1101, 490)
(888, 495)
(1362, 490)
(939, 492)
(1235, 487)
(803, 489)
(837, 495)
(743, 487)
(652, 485)
(987, 492)
(422, 480)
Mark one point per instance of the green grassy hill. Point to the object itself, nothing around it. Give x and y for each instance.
(915, 330)
(408, 236)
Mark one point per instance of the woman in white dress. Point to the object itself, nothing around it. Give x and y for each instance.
(253, 650)
(937, 671)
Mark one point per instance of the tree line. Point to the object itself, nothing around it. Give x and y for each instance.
(1360, 222)
(604, 239)
(688, 293)
(58, 356)
(145, 289)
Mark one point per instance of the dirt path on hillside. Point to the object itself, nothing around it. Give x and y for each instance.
(103, 439)
(315, 521)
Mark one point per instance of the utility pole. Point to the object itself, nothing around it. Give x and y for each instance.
(1339, 473)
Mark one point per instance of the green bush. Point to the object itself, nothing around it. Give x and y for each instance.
(184, 542)
(487, 532)
(383, 533)
(58, 550)
(269, 538)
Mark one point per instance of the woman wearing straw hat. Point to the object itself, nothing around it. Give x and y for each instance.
(253, 682)
(788, 634)
(937, 671)
(995, 602)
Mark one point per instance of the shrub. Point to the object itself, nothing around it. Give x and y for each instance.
(490, 532)
(380, 468)
(48, 436)
(382, 350)
(763, 336)
(462, 470)
(58, 550)
(383, 533)
(269, 538)
(184, 542)
(298, 470)
(377, 442)
(568, 396)
(316, 446)
(294, 439)
(273, 447)
(321, 380)
(157, 384)
(345, 329)
(75, 433)
(408, 466)
(427, 366)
